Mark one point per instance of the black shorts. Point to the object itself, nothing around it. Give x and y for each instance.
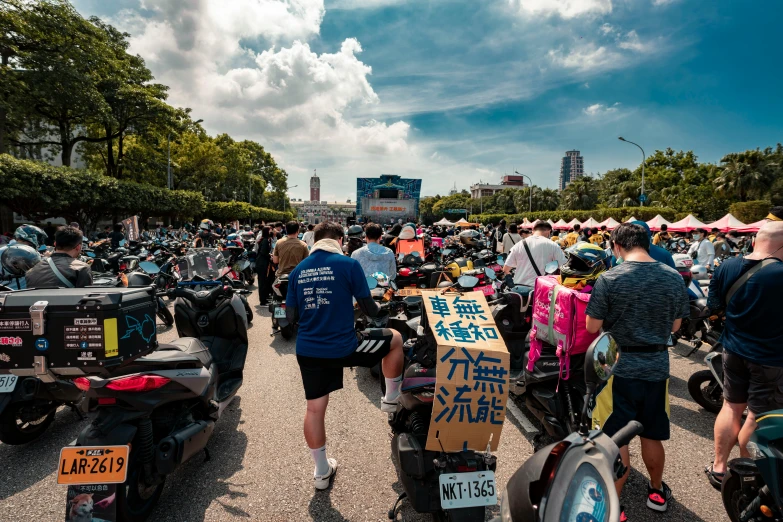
(643, 401)
(322, 376)
(761, 387)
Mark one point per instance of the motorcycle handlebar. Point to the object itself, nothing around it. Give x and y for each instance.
(626, 434)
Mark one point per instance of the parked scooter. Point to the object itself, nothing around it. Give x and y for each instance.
(574, 479)
(706, 386)
(163, 406)
(277, 308)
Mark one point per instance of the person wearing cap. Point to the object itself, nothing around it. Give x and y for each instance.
(701, 250)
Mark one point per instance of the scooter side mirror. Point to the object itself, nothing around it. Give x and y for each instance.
(551, 267)
(490, 273)
(601, 359)
(467, 281)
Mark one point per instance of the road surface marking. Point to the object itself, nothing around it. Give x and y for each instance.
(520, 417)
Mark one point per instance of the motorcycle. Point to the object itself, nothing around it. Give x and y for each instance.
(160, 410)
(751, 488)
(574, 479)
(277, 308)
(706, 386)
(422, 471)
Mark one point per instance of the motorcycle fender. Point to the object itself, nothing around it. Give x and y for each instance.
(283, 323)
(161, 304)
(119, 435)
(714, 362)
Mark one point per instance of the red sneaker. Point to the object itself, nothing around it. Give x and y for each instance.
(623, 518)
(658, 500)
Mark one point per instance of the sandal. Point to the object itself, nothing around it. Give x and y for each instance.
(716, 479)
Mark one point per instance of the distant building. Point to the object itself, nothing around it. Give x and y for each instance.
(318, 211)
(572, 166)
(480, 190)
(315, 187)
(387, 198)
(453, 189)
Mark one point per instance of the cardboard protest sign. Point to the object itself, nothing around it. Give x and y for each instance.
(131, 225)
(472, 373)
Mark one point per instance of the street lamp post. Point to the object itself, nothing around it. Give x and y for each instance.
(531, 188)
(644, 157)
(168, 169)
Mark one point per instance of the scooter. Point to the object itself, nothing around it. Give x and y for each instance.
(574, 479)
(280, 322)
(421, 471)
(160, 410)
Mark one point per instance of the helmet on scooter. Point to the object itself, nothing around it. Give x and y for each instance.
(18, 259)
(355, 231)
(206, 224)
(683, 264)
(585, 263)
(31, 234)
(699, 272)
(470, 237)
(408, 232)
(382, 278)
(232, 237)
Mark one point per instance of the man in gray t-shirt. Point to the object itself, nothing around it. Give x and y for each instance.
(640, 302)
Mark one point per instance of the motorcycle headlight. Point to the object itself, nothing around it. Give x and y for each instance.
(755, 451)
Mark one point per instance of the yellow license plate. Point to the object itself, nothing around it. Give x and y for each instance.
(405, 292)
(80, 465)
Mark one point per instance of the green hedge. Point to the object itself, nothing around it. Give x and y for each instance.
(599, 214)
(224, 211)
(38, 191)
(750, 211)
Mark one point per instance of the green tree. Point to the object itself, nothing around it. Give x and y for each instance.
(580, 194)
(742, 175)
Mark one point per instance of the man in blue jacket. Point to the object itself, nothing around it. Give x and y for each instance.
(659, 254)
(321, 290)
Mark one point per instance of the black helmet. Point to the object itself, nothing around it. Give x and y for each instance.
(585, 263)
(32, 234)
(355, 231)
(18, 259)
(470, 237)
(427, 240)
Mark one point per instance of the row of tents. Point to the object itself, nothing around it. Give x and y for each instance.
(725, 224)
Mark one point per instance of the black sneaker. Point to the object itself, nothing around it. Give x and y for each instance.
(658, 500)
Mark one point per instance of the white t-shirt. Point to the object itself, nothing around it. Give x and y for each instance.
(509, 240)
(308, 238)
(706, 252)
(543, 251)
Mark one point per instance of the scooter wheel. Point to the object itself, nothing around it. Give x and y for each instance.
(734, 500)
(17, 426)
(165, 315)
(706, 391)
(136, 500)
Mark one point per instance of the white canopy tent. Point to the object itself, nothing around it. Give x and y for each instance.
(444, 221)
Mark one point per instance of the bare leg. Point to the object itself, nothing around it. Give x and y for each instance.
(392, 363)
(727, 428)
(654, 458)
(626, 456)
(744, 435)
(314, 426)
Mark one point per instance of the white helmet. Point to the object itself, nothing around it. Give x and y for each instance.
(699, 272)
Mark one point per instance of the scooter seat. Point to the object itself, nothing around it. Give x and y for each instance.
(179, 350)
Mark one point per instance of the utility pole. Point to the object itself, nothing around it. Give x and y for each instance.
(530, 188)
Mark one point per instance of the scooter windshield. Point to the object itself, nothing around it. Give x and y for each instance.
(204, 263)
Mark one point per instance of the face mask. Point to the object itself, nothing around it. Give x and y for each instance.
(696, 237)
(617, 256)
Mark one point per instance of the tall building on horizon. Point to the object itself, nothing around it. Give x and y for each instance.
(315, 187)
(572, 166)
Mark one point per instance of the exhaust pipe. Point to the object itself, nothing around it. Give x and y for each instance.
(181, 445)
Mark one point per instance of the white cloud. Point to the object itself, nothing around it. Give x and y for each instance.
(606, 28)
(587, 58)
(564, 8)
(362, 4)
(598, 109)
(663, 2)
(631, 41)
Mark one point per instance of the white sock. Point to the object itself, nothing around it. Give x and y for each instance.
(319, 457)
(393, 388)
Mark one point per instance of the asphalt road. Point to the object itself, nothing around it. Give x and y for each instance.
(260, 468)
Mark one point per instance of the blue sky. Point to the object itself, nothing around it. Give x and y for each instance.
(454, 92)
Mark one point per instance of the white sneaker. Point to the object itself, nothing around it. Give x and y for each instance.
(389, 405)
(322, 481)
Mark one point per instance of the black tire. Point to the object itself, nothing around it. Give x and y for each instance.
(460, 515)
(706, 391)
(16, 427)
(249, 277)
(248, 310)
(287, 331)
(165, 315)
(734, 502)
(134, 501)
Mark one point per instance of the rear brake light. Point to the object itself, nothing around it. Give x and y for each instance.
(83, 383)
(106, 401)
(123, 266)
(463, 469)
(138, 383)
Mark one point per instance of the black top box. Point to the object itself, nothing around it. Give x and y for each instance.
(78, 330)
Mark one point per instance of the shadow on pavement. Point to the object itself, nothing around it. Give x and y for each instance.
(31, 463)
(202, 482)
(282, 346)
(634, 499)
(321, 508)
(697, 422)
(370, 386)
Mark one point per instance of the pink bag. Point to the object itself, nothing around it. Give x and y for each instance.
(558, 319)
